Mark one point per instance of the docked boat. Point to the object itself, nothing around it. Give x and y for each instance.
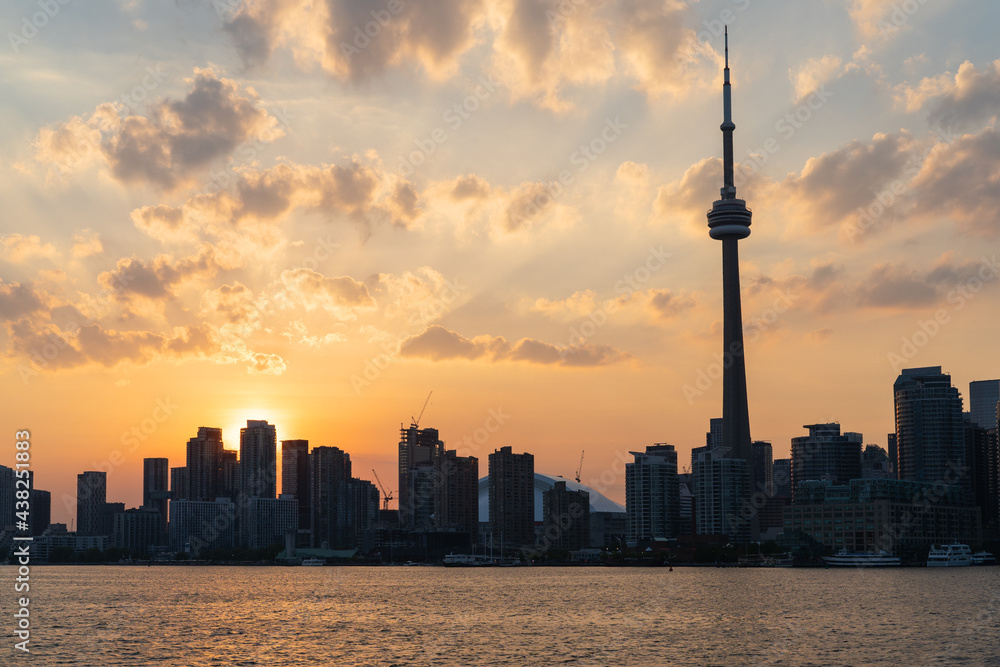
(845, 558)
(314, 562)
(949, 555)
(983, 558)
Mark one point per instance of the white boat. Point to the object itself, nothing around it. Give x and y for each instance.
(314, 562)
(845, 558)
(949, 555)
(983, 558)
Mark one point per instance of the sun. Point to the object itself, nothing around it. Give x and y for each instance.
(237, 419)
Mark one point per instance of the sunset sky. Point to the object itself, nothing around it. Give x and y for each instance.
(315, 213)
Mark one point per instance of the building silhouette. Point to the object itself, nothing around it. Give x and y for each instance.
(721, 489)
(652, 494)
(258, 460)
(295, 479)
(197, 526)
(729, 221)
(930, 438)
(137, 530)
(155, 490)
(419, 453)
(178, 483)
(826, 454)
(512, 498)
(781, 476)
(91, 498)
(984, 395)
(763, 466)
(566, 523)
(41, 511)
(204, 464)
(331, 496)
(457, 493)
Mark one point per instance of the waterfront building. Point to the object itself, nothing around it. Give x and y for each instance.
(566, 515)
(512, 498)
(826, 454)
(652, 494)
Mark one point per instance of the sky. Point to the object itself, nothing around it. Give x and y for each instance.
(318, 212)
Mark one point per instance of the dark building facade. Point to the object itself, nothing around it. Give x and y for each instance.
(826, 454)
(930, 437)
(512, 498)
(295, 477)
(652, 494)
(781, 477)
(419, 453)
(91, 498)
(258, 460)
(331, 495)
(457, 503)
(566, 518)
(156, 490)
(763, 466)
(204, 464)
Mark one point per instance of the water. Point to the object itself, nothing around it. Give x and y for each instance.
(342, 616)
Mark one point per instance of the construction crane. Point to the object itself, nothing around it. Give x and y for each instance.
(579, 468)
(386, 494)
(416, 420)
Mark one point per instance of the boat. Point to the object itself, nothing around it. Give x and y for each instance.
(314, 562)
(949, 555)
(465, 560)
(845, 558)
(983, 558)
(760, 560)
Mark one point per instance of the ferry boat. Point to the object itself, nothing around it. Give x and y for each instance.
(950, 555)
(983, 558)
(845, 558)
(314, 562)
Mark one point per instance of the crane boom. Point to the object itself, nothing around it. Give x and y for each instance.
(386, 494)
(579, 468)
(416, 420)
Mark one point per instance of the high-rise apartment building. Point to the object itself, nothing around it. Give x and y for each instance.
(512, 498)
(204, 464)
(331, 495)
(156, 490)
(781, 476)
(983, 398)
(565, 518)
(258, 460)
(763, 466)
(652, 494)
(91, 498)
(721, 489)
(295, 477)
(930, 438)
(420, 450)
(457, 493)
(826, 454)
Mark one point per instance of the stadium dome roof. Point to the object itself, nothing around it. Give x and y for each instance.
(543, 482)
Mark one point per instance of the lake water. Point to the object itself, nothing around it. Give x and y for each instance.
(196, 616)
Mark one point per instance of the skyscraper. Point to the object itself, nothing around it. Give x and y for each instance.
(178, 483)
(295, 477)
(331, 495)
(419, 451)
(258, 460)
(652, 494)
(566, 518)
(204, 464)
(781, 474)
(91, 497)
(729, 221)
(457, 503)
(826, 454)
(763, 466)
(512, 498)
(930, 439)
(155, 492)
(983, 398)
(721, 487)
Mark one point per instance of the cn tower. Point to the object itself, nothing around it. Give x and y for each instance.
(729, 221)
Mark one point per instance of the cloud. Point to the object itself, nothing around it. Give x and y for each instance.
(18, 300)
(962, 181)
(955, 101)
(169, 147)
(86, 243)
(577, 305)
(440, 344)
(262, 198)
(312, 290)
(690, 196)
(160, 279)
(897, 286)
(18, 248)
(355, 40)
(813, 73)
(831, 188)
(664, 304)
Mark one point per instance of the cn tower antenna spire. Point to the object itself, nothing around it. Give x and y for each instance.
(728, 190)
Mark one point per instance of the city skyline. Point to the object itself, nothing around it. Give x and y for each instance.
(317, 240)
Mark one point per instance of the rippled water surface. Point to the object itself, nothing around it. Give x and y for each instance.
(509, 616)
